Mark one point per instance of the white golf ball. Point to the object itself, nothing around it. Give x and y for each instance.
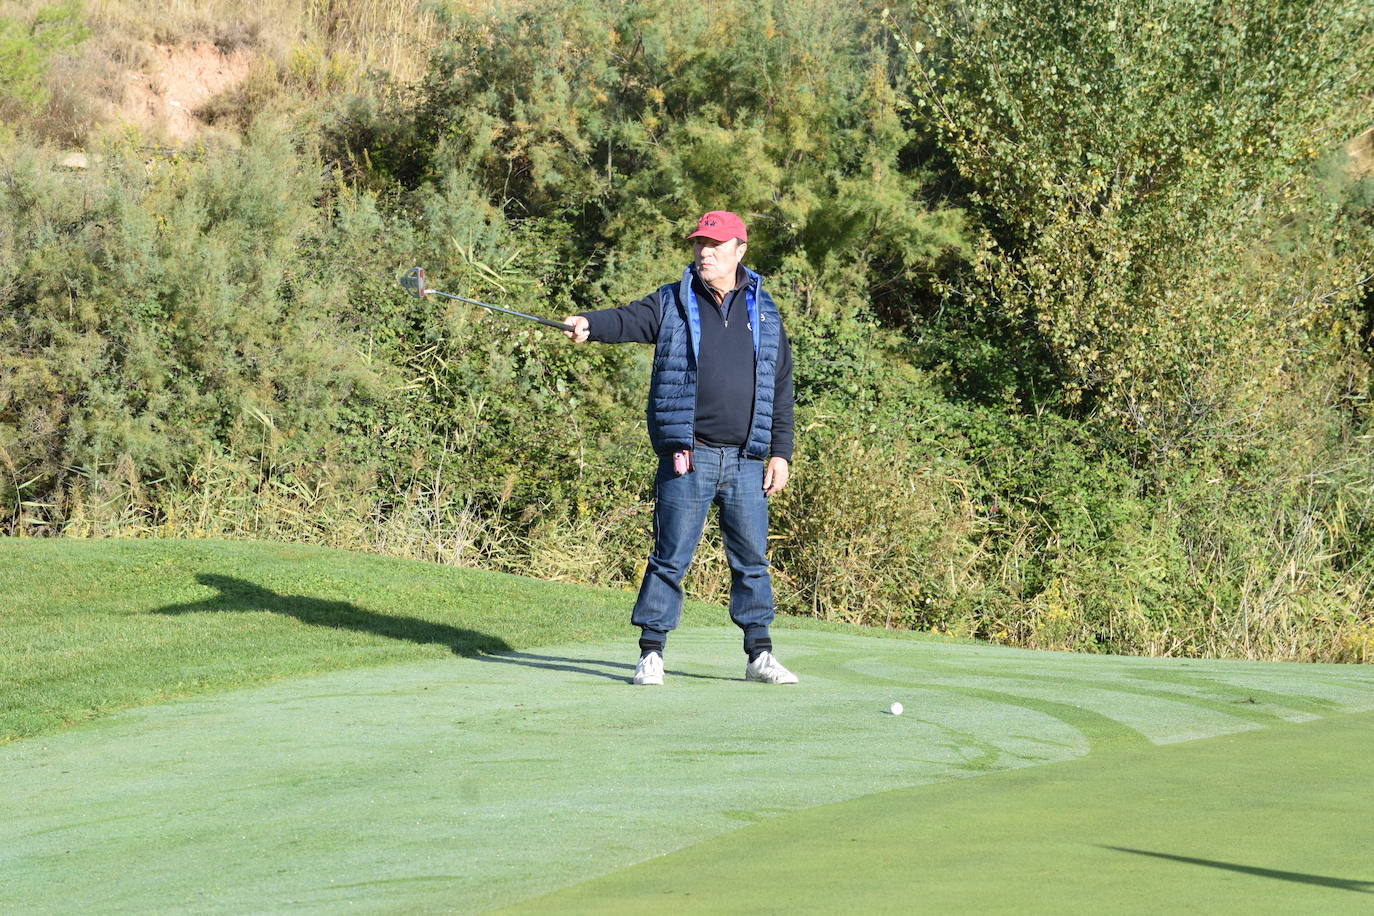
(896, 709)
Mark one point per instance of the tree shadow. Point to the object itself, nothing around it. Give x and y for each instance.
(240, 595)
(1345, 884)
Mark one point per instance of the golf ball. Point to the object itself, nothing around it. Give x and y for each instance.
(896, 709)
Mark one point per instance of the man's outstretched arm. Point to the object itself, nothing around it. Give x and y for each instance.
(634, 323)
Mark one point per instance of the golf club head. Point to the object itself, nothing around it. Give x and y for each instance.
(413, 282)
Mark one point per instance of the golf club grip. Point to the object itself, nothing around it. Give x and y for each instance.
(555, 324)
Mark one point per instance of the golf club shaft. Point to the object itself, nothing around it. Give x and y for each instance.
(496, 308)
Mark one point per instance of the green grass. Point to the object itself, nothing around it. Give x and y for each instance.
(351, 732)
(91, 626)
(1269, 821)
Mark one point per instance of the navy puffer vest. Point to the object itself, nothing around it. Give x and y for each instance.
(673, 384)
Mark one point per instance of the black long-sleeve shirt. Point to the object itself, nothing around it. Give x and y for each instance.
(725, 363)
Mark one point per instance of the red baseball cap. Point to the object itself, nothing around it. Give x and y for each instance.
(720, 226)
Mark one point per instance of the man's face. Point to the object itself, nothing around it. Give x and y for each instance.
(717, 262)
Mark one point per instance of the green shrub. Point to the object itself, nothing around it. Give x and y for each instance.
(1143, 170)
(623, 121)
(159, 309)
(26, 50)
(881, 523)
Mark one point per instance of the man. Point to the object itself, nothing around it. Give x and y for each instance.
(720, 419)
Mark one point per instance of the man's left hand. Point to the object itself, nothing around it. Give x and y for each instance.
(775, 475)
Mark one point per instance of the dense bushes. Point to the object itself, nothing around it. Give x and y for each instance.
(1146, 175)
(620, 120)
(1074, 292)
(1158, 223)
(159, 311)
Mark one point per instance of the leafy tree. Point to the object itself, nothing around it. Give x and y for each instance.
(1143, 171)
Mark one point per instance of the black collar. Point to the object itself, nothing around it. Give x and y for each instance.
(741, 281)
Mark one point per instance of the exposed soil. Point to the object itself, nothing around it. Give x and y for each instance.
(183, 77)
(1361, 151)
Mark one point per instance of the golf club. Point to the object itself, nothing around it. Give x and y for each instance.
(413, 282)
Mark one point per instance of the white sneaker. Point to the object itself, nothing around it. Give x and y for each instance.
(767, 669)
(650, 670)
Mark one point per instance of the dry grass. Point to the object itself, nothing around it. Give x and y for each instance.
(392, 35)
(227, 500)
(303, 48)
(1259, 600)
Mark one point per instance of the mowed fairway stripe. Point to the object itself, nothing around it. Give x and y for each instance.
(469, 783)
(1274, 821)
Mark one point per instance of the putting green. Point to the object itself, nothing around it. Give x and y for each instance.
(1271, 821)
(470, 783)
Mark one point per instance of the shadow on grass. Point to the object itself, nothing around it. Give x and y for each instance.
(1345, 884)
(624, 672)
(243, 596)
(239, 595)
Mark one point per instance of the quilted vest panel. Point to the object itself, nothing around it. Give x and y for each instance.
(673, 381)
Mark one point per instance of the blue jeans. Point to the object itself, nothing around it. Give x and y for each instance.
(735, 484)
